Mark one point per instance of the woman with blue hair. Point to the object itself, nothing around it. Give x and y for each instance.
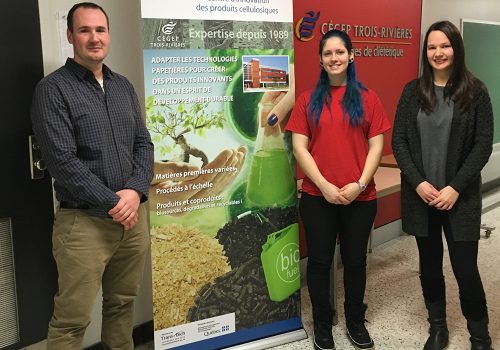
(338, 142)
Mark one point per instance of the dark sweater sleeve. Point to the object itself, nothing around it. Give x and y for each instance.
(400, 142)
(483, 143)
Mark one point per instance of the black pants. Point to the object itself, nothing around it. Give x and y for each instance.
(463, 257)
(323, 222)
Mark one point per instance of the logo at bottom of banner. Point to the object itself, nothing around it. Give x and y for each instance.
(195, 331)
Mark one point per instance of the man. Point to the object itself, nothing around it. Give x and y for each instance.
(98, 150)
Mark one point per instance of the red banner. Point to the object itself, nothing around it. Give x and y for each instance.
(385, 35)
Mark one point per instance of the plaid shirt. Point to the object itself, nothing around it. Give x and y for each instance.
(94, 142)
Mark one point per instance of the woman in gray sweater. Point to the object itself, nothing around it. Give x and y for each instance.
(442, 138)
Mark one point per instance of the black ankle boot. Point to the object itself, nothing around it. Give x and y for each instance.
(438, 330)
(322, 336)
(356, 330)
(479, 336)
(359, 336)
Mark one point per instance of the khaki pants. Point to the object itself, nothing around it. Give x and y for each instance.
(90, 252)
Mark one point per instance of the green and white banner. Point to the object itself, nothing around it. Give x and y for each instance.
(224, 235)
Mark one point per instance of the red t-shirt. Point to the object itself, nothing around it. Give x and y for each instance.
(339, 149)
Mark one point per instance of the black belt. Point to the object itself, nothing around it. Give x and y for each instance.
(72, 205)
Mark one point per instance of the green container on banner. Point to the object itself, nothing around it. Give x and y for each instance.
(280, 260)
(271, 182)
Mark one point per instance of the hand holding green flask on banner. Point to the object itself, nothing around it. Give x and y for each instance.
(271, 182)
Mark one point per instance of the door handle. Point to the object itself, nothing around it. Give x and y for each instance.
(37, 164)
(40, 165)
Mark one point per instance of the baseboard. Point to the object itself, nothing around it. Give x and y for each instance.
(491, 197)
(386, 233)
(142, 334)
(490, 170)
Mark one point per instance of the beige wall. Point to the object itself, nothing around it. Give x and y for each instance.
(454, 10)
(125, 28)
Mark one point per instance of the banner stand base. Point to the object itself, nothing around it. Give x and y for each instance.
(271, 341)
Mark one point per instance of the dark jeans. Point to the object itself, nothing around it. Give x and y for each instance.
(463, 257)
(323, 223)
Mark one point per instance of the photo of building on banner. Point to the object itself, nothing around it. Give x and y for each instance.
(224, 233)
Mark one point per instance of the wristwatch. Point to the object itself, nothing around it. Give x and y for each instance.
(362, 186)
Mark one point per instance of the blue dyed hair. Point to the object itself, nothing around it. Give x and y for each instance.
(351, 102)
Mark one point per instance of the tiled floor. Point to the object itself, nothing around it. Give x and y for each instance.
(396, 313)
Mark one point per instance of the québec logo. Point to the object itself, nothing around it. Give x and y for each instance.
(168, 28)
(304, 29)
(225, 328)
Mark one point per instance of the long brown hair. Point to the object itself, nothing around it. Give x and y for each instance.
(461, 84)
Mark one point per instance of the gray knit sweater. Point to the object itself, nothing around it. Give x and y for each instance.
(469, 148)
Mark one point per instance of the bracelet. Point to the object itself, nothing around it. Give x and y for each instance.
(362, 186)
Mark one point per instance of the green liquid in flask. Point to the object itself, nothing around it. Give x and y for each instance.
(271, 183)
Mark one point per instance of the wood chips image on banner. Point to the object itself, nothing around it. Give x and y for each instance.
(184, 260)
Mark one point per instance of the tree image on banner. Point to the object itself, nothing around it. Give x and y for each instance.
(175, 123)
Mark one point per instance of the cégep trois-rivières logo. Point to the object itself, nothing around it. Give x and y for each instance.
(168, 28)
(304, 28)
